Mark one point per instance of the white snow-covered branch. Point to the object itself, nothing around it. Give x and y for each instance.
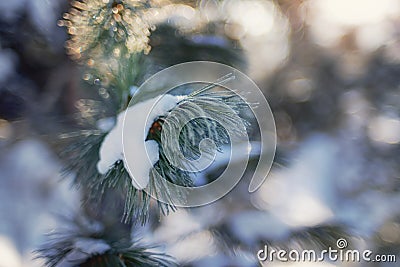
(137, 121)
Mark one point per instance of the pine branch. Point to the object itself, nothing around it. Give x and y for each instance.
(207, 106)
(86, 244)
(209, 109)
(110, 38)
(100, 28)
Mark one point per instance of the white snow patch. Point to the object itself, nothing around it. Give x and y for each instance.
(308, 182)
(91, 246)
(126, 141)
(176, 226)
(31, 191)
(195, 246)
(10, 256)
(251, 226)
(106, 124)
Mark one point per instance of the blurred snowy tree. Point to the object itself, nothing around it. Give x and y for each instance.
(330, 70)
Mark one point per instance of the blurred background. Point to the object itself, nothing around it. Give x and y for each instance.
(330, 70)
